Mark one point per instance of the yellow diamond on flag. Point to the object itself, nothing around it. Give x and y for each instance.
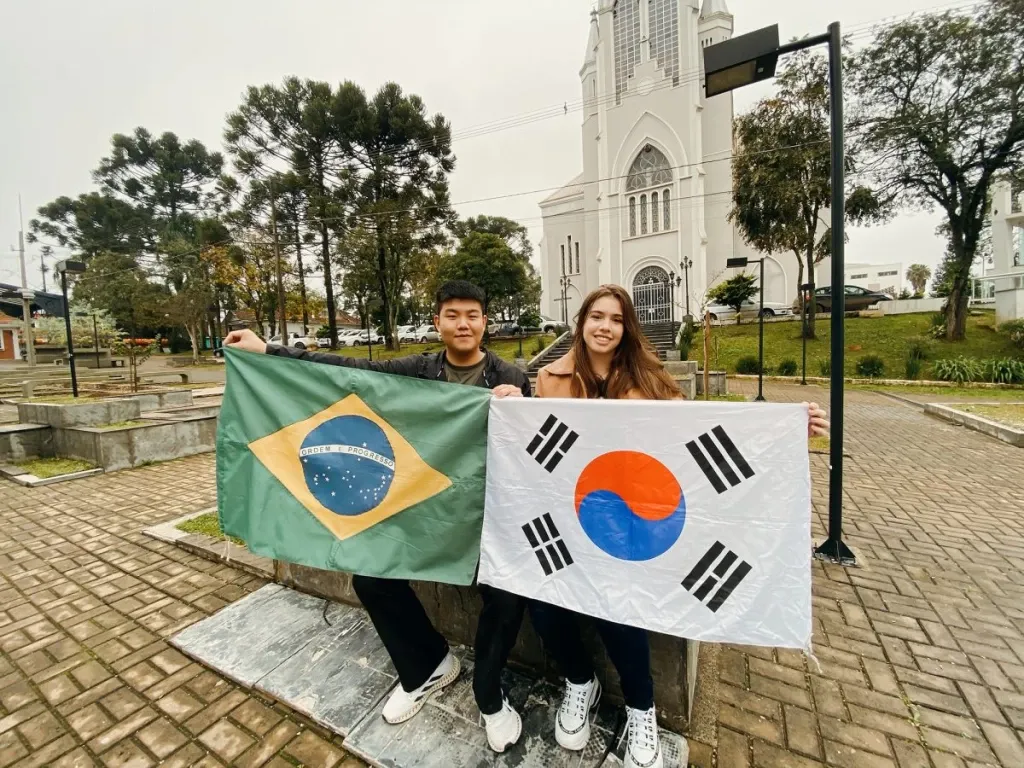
(348, 467)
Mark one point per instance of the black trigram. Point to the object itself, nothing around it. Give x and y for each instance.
(552, 443)
(723, 570)
(547, 544)
(705, 451)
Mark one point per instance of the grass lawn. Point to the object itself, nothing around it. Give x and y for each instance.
(1011, 413)
(43, 468)
(207, 525)
(506, 349)
(886, 337)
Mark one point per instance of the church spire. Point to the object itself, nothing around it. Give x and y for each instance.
(711, 7)
(595, 34)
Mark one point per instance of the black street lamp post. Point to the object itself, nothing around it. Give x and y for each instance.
(565, 283)
(685, 265)
(64, 267)
(748, 59)
(672, 297)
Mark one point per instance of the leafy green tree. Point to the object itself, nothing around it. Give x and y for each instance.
(160, 176)
(918, 275)
(116, 284)
(782, 183)
(517, 238)
(82, 330)
(734, 292)
(398, 159)
(295, 126)
(90, 224)
(941, 116)
(488, 261)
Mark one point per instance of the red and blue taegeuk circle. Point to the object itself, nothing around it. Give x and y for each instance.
(630, 505)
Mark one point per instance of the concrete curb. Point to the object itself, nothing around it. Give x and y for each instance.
(991, 428)
(21, 477)
(218, 550)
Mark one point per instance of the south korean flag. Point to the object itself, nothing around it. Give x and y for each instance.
(687, 518)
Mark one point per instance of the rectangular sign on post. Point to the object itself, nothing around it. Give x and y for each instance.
(690, 519)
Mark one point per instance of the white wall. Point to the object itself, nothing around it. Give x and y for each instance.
(910, 306)
(873, 277)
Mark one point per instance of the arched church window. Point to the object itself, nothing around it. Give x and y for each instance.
(643, 214)
(654, 212)
(650, 168)
(632, 217)
(667, 218)
(577, 256)
(563, 259)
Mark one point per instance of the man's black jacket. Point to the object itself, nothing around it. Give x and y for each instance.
(431, 366)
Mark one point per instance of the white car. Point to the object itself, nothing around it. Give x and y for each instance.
(547, 325)
(420, 334)
(296, 340)
(749, 309)
(362, 337)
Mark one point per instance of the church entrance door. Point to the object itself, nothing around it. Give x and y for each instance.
(652, 295)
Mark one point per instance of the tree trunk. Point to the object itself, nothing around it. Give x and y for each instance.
(325, 258)
(192, 329)
(800, 293)
(302, 283)
(956, 309)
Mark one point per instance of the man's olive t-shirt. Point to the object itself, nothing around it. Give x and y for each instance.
(466, 374)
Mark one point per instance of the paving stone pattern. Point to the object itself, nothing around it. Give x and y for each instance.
(921, 650)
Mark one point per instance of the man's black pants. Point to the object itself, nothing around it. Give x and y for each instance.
(416, 648)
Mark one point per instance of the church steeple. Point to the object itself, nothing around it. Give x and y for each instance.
(712, 7)
(595, 34)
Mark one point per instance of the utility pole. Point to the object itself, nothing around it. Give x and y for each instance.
(26, 294)
(277, 260)
(42, 270)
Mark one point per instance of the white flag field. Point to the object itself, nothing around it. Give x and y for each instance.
(686, 518)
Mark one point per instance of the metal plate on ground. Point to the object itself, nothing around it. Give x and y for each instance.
(673, 747)
(339, 676)
(448, 731)
(250, 638)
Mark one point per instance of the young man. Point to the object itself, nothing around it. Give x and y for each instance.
(419, 652)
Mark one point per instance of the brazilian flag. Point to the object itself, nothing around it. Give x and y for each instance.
(352, 470)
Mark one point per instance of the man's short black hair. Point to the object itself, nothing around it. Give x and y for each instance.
(461, 289)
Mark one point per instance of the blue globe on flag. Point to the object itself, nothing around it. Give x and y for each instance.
(348, 464)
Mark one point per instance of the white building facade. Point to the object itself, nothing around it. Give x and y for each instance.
(885, 278)
(650, 209)
(1007, 275)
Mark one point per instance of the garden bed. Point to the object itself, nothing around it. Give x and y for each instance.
(45, 471)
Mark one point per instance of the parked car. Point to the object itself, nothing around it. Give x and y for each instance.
(420, 334)
(499, 330)
(749, 309)
(296, 340)
(363, 337)
(856, 298)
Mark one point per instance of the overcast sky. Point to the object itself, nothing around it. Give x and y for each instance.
(74, 73)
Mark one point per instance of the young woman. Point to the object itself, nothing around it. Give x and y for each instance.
(610, 358)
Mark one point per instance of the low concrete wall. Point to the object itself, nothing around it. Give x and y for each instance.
(995, 429)
(24, 441)
(454, 611)
(84, 414)
(909, 306)
(717, 381)
(154, 401)
(132, 446)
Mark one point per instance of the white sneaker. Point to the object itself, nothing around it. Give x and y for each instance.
(572, 721)
(403, 704)
(643, 747)
(503, 727)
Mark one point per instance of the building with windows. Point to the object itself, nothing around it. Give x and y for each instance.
(1006, 280)
(650, 209)
(886, 278)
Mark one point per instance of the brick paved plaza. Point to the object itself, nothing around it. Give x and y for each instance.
(921, 649)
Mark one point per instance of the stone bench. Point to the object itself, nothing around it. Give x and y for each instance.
(454, 611)
(182, 376)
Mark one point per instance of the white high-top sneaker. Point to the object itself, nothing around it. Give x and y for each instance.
(572, 721)
(643, 745)
(503, 727)
(403, 704)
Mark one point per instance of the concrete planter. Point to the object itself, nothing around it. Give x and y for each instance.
(673, 356)
(25, 441)
(681, 367)
(84, 414)
(154, 401)
(454, 610)
(132, 446)
(716, 380)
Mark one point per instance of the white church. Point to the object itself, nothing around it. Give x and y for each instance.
(649, 211)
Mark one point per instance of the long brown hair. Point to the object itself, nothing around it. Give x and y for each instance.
(635, 364)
